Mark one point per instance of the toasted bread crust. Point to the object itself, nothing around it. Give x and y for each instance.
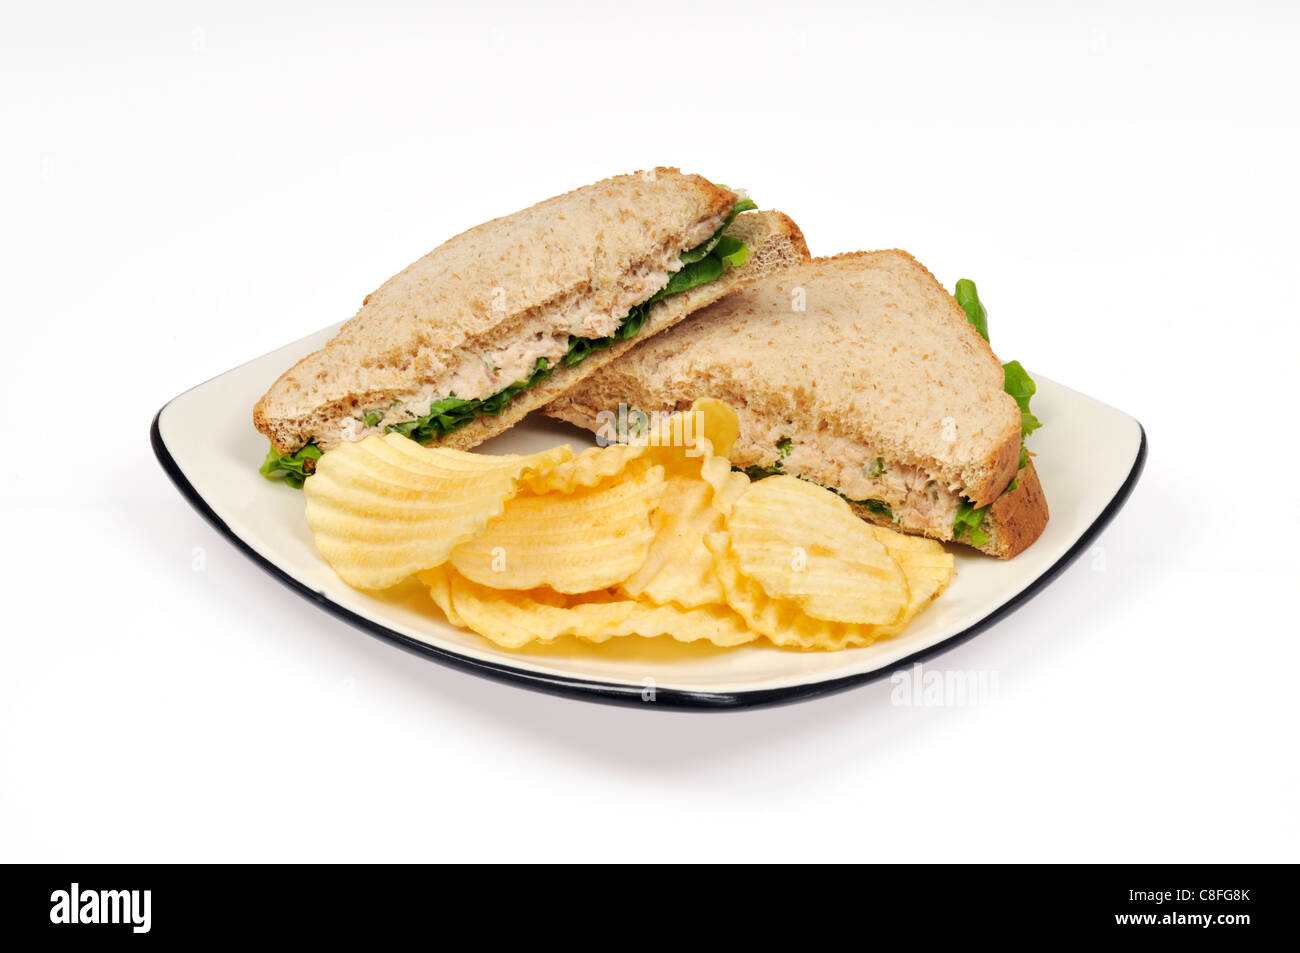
(775, 242)
(1017, 518)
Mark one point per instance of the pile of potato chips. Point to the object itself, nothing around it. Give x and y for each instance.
(655, 537)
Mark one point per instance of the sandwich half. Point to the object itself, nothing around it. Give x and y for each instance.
(859, 373)
(509, 315)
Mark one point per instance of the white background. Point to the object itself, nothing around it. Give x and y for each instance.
(189, 186)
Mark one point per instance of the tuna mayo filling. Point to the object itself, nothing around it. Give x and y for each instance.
(919, 502)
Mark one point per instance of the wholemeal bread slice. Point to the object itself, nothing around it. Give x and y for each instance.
(775, 242)
(859, 372)
(508, 290)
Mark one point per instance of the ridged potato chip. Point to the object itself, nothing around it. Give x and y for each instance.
(801, 542)
(590, 467)
(728, 485)
(926, 564)
(717, 422)
(383, 508)
(678, 567)
(513, 619)
(782, 621)
(680, 442)
(589, 539)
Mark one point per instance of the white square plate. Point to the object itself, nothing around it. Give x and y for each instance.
(1088, 456)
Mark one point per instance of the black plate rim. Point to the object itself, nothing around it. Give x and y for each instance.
(612, 693)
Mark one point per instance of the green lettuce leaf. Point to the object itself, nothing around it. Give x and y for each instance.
(1021, 386)
(969, 300)
(1016, 382)
(290, 467)
(732, 251)
(451, 413)
(709, 268)
(879, 507)
(968, 520)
